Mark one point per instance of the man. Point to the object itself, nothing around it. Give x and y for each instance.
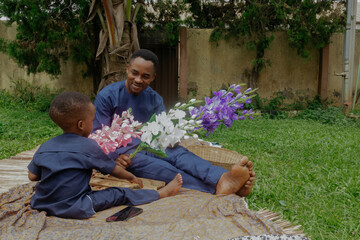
(136, 94)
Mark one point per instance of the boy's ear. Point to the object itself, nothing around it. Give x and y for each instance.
(80, 124)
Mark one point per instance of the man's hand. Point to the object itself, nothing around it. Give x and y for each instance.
(123, 161)
(175, 145)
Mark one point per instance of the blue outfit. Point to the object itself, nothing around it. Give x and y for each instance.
(64, 165)
(197, 173)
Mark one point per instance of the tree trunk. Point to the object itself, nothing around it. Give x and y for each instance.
(115, 60)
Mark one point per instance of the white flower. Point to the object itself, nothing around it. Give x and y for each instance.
(179, 114)
(177, 104)
(192, 100)
(153, 127)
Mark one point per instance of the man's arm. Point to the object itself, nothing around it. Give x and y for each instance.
(103, 112)
(160, 107)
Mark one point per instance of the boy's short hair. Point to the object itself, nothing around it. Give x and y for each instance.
(147, 55)
(68, 108)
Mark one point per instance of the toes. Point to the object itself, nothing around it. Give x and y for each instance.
(249, 164)
(244, 161)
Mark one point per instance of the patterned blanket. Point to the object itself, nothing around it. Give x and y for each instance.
(188, 215)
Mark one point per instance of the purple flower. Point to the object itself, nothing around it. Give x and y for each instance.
(237, 89)
(248, 90)
(219, 93)
(222, 108)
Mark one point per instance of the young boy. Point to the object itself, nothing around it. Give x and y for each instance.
(63, 165)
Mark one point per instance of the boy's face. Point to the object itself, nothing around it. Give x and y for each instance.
(88, 120)
(140, 73)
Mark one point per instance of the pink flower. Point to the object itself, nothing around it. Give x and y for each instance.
(120, 133)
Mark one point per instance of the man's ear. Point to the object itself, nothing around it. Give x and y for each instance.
(127, 69)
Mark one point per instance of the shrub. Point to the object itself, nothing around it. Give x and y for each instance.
(31, 96)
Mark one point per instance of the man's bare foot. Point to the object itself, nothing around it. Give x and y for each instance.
(246, 189)
(231, 182)
(172, 188)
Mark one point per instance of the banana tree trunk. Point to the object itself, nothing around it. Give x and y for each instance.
(117, 40)
(114, 62)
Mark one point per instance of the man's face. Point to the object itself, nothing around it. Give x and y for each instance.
(140, 73)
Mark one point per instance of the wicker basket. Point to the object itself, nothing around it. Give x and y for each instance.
(217, 156)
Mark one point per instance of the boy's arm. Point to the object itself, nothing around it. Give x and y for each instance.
(33, 177)
(121, 173)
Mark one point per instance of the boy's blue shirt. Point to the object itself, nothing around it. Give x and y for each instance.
(64, 165)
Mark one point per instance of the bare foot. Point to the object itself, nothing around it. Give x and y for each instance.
(246, 189)
(231, 182)
(172, 188)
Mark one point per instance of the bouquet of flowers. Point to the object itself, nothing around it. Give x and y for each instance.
(184, 120)
(120, 133)
(224, 107)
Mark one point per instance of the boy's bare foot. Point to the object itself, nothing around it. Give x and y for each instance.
(246, 189)
(232, 181)
(172, 188)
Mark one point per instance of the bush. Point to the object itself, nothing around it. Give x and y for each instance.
(329, 115)
(28, 96)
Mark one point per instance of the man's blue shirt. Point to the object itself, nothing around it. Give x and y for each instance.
(114, 99)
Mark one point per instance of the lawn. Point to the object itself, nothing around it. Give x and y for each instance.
(308, 171)
(305, 169)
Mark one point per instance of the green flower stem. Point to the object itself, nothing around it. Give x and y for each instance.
(145, 147)
(138, 149)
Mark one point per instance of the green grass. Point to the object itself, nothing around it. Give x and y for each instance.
(307, 170)
(23, 129)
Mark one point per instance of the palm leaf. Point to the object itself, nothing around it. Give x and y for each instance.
(107, 4)
(93, 9)
(128, 10)
(137, 8)
(119, 16)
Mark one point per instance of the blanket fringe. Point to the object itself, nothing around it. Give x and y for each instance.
(285, 225)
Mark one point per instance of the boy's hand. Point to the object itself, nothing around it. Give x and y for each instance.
(138, 181)
(33, 177)
(123, 161)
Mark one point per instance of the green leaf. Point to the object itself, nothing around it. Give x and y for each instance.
(153, 118)
(159, 153)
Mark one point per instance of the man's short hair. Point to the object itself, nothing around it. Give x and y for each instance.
(147, 55)
(68, 108)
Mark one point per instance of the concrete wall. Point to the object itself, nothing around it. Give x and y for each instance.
(336, 50)
(70, 79)
(212, 66)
